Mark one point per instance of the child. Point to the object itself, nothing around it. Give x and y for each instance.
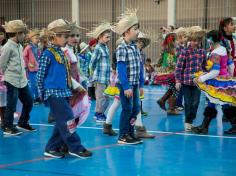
(3, 89)
(54, 83)
(84, 60)
(181, 43)
(100, 69)
(142, 42)
(166, 74)
(31, 54)
(192, 59)
(12, 65)
(129, 75)
(149, 70)
(217, 84)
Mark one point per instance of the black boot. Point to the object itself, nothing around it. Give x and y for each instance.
(230, 113)
(209, 114)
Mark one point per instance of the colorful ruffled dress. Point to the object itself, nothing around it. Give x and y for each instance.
(112, 90)
(167, 69)
(221, 89)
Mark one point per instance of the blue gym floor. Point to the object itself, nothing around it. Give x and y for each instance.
(172, 152)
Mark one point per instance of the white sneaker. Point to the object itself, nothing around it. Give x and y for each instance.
(188, 127)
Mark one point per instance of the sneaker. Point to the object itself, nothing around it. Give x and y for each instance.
(188, 127)
(179, 108)
(137, 139)
(25, 127)
(83, 154)
(100, 118)
(127, 139)
(53, 154)
(13, 131)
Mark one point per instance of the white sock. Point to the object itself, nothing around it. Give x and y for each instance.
(138, 121)
(112, 110)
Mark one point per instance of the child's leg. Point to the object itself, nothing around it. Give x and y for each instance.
(12, 97)
(191, 102)
(65, 127)
(112, 110)
(125, 116)
(33, 84)
(143, 112)
(107, 126)
(230, 113)
(27, 101)
(210, 113)
(2, 111)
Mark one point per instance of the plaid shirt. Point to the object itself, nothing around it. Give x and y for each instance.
(44, 64)
(130, 54)
(189, 62)
(100, 64)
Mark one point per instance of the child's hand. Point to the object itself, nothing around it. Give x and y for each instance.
(128, 93)
(141, 91)
(178, 86)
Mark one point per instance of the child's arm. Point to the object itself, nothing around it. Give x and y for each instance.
(44, 62)
(231, 67)
(4, 58)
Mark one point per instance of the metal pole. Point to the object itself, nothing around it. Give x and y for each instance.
(171, 12)
(122, 6)
(33, 13)
(205, 14)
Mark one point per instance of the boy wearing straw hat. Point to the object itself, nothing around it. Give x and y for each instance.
(129, 71)
(31, 54)
(100, 68)
(142, 42)
(191, 59)
(13, 67)
(54, 83)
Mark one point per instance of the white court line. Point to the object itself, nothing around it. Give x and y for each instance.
(161, 132)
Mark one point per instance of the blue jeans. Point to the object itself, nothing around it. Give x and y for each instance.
(13, 93)
(65, 128)
(33, 84)
(179, 100)
(191, 101)
(130, 110)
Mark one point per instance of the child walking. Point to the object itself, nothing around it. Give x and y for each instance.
(100, 69)
(54, 82)
(12, 65)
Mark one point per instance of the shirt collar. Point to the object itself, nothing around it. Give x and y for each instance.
(13, 43)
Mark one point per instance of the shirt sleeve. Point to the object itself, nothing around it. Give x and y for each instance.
(5, 55)
(141, 78)
(122, 75)
(44, 62)
(180, 66)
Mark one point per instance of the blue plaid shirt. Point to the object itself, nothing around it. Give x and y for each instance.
(44, 64)
(84, 60)
(130, 55)
(100, 64)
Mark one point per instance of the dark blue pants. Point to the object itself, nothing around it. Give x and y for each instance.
(13, 93)
(191, 101)
(65, 128)
(33, 84)
(179, 100)
(130, 110)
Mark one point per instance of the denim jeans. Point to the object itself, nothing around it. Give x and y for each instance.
(65, 127)
(179, 100)
(13, 93)
(191, 101)
(130, 109)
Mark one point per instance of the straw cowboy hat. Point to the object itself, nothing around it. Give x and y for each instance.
(83, 46)
(144, 38)
(126, 21)
(75, 29)
(196, 32)
(15, 26)
(33, 33)
(59, 26)
(181, 31)
(101, 28)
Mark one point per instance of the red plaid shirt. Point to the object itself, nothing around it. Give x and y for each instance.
(189, 62)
